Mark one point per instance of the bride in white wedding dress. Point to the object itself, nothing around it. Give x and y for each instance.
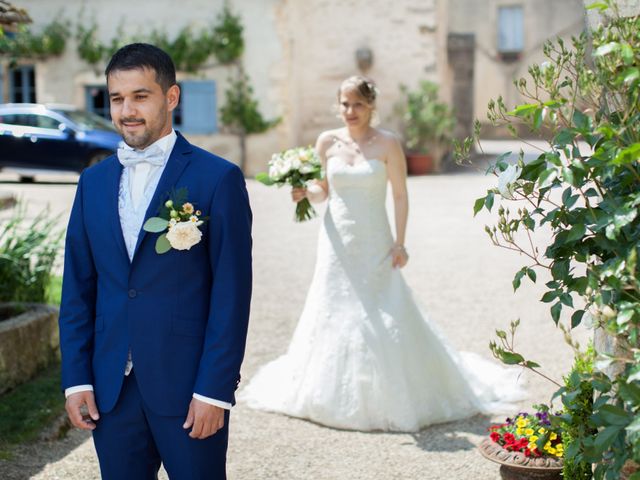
(363, 356)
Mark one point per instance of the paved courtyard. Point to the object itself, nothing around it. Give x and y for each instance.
(462, 280)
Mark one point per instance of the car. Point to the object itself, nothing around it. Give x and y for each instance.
(38, 137)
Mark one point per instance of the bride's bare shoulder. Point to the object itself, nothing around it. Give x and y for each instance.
(326, 138)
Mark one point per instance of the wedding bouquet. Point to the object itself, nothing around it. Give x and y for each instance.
(534, 435)
(294, 167)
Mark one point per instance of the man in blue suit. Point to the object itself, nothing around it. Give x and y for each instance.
(153, 325)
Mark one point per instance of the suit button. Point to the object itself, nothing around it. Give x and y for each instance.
(132, 293)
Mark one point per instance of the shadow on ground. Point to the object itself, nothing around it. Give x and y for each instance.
(451, 437)
(29, 460)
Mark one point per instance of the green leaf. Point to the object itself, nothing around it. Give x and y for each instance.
(576, 318)
(517, 279)
(606, 437)
(489, 200)
(566, 299)
(555, 312)
(599, 5)
(547, 177)
(628, 156)
(581, 121)
(549, 297)
(477, 206)
(627, 53)
(631, 75)
(531, 364)
(155, 225)
(564, 137)
(537, 118)
(511, 358)
(615, 415)
(567, 175)
(524, 110)
(531, 274)
(576, 232)
(162, 244)
(265, 179)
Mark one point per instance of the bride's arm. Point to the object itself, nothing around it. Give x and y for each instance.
(397, 172)
(318, 191)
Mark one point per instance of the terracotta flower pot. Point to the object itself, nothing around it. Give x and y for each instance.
(420, 164)
(517, 466)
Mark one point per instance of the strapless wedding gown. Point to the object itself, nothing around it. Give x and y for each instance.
(363, 355)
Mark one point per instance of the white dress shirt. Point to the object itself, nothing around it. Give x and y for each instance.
(137, 186)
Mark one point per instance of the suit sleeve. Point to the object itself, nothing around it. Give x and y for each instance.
(77, 307)
(230, 256)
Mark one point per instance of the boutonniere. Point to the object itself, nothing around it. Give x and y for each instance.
(181, 221)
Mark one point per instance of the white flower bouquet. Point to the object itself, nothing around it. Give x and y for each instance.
(294, 167)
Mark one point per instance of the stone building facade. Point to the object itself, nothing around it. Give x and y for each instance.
(298, 51)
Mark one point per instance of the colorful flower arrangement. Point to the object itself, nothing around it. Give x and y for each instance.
(535, 435)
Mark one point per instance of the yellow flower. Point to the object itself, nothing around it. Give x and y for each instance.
(532, 446)
(519, 431)
(187, 208)
(541, 430)
(533, 438)
(528, 432)
(552, 451)
(548, 447)
(553, 436)
(522, 422)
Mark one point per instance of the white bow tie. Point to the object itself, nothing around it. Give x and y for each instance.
(152, 154)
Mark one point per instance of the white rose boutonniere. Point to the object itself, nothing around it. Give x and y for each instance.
(181, 221)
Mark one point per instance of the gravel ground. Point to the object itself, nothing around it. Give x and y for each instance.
(462, 280)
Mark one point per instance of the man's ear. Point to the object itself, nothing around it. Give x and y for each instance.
(173, 97)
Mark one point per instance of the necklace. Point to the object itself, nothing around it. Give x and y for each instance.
(356, 144)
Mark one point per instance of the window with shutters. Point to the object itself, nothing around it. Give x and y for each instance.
(197, 112)
(510, 32)
(97, 100)
(22, 84)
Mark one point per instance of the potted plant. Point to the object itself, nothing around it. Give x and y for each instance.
(427, 126)
(527, 446)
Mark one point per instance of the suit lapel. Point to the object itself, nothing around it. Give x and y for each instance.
(113, 195)
(177, 162)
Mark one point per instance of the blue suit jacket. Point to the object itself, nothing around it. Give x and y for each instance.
(183, 314)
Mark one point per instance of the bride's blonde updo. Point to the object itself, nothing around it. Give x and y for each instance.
(365, 87)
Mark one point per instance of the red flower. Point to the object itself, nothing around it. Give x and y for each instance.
(527, 452)
(495, 436)
(509, 438)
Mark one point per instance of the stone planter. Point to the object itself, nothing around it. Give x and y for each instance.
(516, 466)
(29, 341)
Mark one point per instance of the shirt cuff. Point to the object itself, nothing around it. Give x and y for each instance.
(212, 401)
(78, 388)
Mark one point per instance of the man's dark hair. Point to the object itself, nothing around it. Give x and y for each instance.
(141, 56)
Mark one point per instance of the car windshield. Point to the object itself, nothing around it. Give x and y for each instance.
(88, 120)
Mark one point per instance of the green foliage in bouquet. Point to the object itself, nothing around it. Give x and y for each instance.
(295, 167)
(27, 44)
(584, 188)
(28, 251)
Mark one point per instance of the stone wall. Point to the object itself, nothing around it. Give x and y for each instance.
(297, 52)
(29, 342)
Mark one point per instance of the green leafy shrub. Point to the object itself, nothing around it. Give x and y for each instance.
(578, 408)
(25, 44)
(28, 251)
(584, 189)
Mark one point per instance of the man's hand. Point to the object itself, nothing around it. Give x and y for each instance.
(204, 418)
(82, 410)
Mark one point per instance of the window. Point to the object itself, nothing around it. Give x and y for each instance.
(510, 32)
(198, 107)
(22, 84)
(30, 120)
(97, 99)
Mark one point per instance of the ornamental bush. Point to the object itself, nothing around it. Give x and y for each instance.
(584, 188)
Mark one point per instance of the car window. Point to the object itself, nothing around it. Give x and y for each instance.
(88, 120)
(43, 121)
(21, 119)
